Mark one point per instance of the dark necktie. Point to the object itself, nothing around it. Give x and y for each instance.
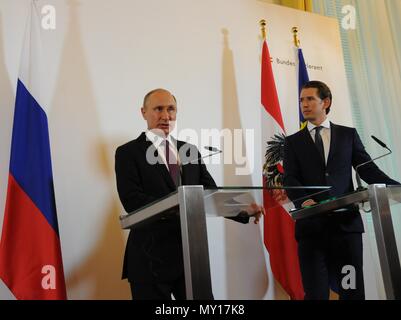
(172, 163)
(319, 142)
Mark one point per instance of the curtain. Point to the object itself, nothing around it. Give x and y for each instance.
(372, 54)
(305, 5)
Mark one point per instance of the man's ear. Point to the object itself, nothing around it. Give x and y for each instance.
(326, 103)
(143, 111)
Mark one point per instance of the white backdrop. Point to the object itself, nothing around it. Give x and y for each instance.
(102, 59)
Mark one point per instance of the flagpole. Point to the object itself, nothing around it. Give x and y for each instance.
(303, 76)
(264, 32)
(263, 28)
(296, 40)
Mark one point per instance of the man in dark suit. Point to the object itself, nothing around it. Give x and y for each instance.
(147, 169)
(324, 153)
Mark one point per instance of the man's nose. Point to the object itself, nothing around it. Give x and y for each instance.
(165, 115)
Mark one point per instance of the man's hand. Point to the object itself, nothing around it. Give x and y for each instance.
(279, 195)
(308, 203)
(256, 211)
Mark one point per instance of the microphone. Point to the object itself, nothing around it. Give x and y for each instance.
(213, 149)
(209, 148)
(381, 143)
(358, 178)
(181, 164)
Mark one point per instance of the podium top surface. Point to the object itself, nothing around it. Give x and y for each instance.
(220, 201)
(229, 201)
(235, 190)
(337, 204)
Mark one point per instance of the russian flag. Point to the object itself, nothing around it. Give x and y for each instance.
(30, 254)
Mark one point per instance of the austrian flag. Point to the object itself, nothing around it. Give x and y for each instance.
(279, 228)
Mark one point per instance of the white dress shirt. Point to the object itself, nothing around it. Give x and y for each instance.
(160, 145)
(325, 134)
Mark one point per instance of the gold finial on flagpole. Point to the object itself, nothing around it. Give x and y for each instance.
(263, 27)
(296, 40)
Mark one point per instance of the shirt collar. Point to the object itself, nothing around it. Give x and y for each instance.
(325, 124)
(156, 139)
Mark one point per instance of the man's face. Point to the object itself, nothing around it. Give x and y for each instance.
(313, 108)
(160, 111)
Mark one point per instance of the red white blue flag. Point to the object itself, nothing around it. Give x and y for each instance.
(30, 253)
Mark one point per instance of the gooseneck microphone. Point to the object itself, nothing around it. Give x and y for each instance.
(358, 178)
(181, 164)
(209, 148)
(213, 149)
(381, 143)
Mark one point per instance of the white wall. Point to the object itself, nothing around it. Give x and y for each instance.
(103, 57)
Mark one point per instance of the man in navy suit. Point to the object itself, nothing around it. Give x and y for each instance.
(324, 153)
(153, 261)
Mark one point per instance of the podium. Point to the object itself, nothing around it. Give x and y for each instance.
(381, 200)
(193, 203)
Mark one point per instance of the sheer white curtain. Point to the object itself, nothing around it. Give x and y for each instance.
(372, 53)
(373, 62)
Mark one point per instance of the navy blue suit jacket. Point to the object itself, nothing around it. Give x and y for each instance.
(303, 166)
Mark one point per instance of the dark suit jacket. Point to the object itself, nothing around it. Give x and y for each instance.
(303, 166)
(154, 251)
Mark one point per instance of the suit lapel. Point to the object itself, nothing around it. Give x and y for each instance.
(183, 166)
(160, 166)
(333, 144)
(188, 155)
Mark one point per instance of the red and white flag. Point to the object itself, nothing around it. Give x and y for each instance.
(279, 228)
